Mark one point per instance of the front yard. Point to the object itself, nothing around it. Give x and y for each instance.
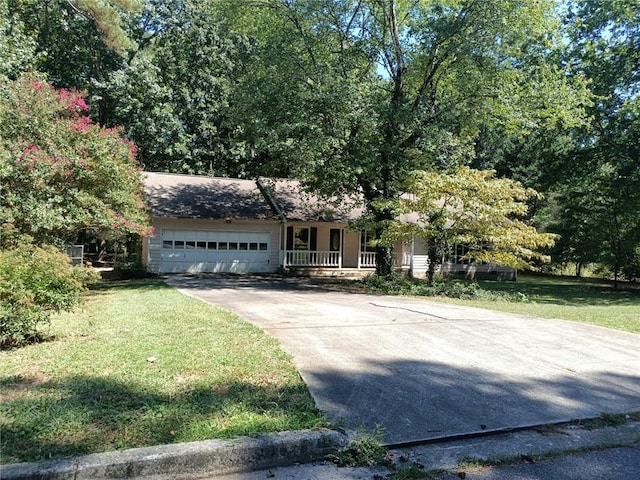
(581, 300)
(141, 364)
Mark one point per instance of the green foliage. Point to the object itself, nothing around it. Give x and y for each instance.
(364, 450)
(353, 96)
(595, 200)
(17, 47)
(591, 301)
(398, 284)
(34, 283)
(74, 43)
(473, 208)
(174, 95)
(61, 174)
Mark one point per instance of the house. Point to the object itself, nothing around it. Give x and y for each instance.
(205, 224)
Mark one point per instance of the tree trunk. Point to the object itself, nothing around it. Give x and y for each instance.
(384, 261)
(432, 252)
(384, 253)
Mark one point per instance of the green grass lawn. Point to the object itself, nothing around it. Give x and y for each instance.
(581, 300)
(141, 364)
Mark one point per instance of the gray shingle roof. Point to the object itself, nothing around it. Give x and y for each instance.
(190, 196)
(299, 205)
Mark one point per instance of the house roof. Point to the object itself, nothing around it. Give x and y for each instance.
(191, 196)
(298, 205)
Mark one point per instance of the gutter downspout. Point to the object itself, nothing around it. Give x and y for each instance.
(273, 204)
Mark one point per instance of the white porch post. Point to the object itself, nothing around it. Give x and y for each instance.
(340, 251)
(413, 249)
(284, 245)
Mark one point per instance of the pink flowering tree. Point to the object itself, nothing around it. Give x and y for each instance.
(61, 174)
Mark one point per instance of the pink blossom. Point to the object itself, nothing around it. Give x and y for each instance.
(83, 165)
(72, 100)
(81, 124)
(30, 149)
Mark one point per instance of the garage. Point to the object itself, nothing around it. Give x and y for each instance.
(200, 251)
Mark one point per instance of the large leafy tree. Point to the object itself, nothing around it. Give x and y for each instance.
(76, 41)
(354, 95)
(17, 46)
(595, 203)
(173, 95)
(61, 174)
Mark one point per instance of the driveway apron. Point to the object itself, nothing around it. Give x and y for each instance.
(423, 370)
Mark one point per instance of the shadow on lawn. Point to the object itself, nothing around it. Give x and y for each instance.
(81, 415)
(409, 399)
(575, 292)
(146, 284)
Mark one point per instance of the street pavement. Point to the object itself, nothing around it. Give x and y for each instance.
(423, 370)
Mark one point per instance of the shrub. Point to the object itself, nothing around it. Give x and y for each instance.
(35, 282)
(398, 284)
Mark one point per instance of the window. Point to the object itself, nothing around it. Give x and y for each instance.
(191, 245)
(458, 251)
(253, 246)
(366, 238)
(212, 245)
(201, 245)
(264, 246)
(222, 246)
(300, 238)
(335, 238)
(167, 244)
(233, 245)
(243, 246)
(178, 244)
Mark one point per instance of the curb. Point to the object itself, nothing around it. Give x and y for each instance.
(543, 440)
(188, 460)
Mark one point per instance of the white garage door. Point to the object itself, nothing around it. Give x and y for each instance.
(213, 251)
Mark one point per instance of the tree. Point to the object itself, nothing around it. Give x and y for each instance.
(61, 174)
(173, 95)
(17, 47)
(75, 43)
(596, 201)
(354, 95)
(469, 207)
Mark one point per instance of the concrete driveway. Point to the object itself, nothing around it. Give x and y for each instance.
(424, 370)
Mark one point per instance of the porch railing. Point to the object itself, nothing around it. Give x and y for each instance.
(312, 258)
(368, 259)
(316, 258)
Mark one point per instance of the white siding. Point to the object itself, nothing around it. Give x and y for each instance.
(247, 255)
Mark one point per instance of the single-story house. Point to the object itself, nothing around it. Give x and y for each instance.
(205, 224)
